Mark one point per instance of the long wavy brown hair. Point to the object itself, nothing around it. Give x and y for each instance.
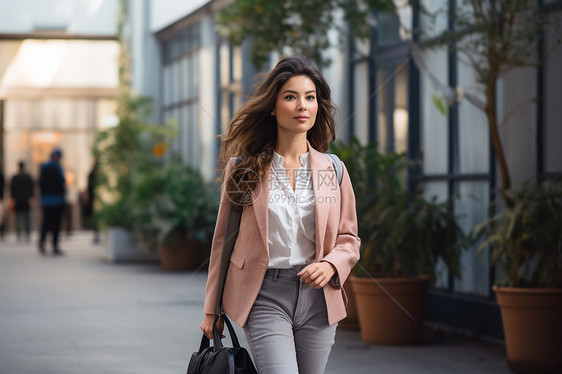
(252, 133)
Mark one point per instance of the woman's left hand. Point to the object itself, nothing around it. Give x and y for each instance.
(317, 274)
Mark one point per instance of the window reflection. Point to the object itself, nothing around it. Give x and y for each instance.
(400, 119)
(392, 108)
(382, 109)
(230, 85)
(400, 114)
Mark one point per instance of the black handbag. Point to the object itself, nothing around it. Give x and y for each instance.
(219, 359)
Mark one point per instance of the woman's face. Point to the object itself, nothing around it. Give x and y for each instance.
(296, 105)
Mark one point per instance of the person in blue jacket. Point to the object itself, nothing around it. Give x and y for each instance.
(52, 188)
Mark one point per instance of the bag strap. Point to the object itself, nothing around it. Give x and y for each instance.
(230, 235)
(217, 342)
(338, 168)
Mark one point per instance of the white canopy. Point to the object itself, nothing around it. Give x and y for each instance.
(40, 64)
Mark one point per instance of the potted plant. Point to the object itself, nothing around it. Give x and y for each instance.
(147, 183)
(126, 160)
(183, 210)
(403, 238)
(526, 244)
(117, 219)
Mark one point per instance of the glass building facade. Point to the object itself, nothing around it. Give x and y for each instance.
(180, 90)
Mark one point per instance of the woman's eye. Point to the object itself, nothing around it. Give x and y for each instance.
(290, 97)
(310, 97)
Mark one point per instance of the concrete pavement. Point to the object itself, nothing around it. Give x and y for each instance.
(80, 314)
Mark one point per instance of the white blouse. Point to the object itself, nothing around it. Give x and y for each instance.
(291, 215)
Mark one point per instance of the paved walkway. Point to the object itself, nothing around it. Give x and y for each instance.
(79, 314)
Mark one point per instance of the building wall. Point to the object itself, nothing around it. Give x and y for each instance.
(167, 12)
(207, 106)
(145, 51)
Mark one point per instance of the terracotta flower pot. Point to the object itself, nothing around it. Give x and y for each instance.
(180, 252)
(351, 322)
(532, 323)
(389, 309)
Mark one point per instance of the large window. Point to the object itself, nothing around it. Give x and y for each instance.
(363, 101)
(230, 81)
(458, 160)
(180, 88)
(435, 130)
(552, 91)
(455, 147)
(379, 109)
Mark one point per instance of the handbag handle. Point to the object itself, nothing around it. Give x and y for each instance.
(216, 335)
(217, 342)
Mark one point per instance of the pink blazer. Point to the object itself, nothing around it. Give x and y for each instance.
(336, 242)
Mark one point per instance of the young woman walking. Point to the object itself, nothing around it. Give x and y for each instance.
(298, 231)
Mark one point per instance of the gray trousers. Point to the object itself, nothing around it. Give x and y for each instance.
(287, 329)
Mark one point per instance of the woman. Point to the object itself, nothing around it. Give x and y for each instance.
(298, 231)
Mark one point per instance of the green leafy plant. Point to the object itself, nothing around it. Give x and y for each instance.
(124, 153)
(146, 186)
(188, 203)
(526, 239)
(409, 236)
(402, 234)
(175, 198)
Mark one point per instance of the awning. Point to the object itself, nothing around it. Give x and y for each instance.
(61, 67)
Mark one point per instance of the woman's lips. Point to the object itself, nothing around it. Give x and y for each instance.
(301, 118)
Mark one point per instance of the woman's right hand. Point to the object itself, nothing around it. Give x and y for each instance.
(207, 325)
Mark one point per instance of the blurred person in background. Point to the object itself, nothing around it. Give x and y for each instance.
(87, 202)
(21, 192)
(52, 187)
